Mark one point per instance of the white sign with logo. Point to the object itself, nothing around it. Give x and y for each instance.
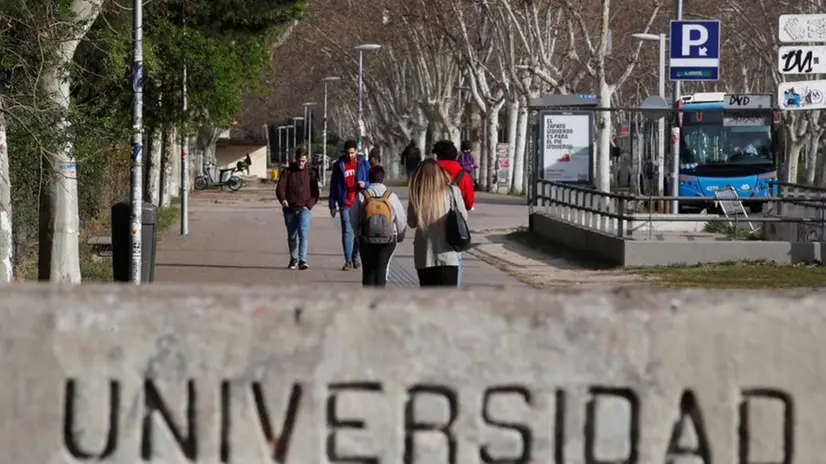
(802, 28)
(566, 147)
(802, 95)
(801, 59)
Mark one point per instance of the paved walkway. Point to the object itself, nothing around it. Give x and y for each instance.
(239, 238)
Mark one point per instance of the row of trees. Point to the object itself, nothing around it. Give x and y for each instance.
(65, 107)
(446, 65)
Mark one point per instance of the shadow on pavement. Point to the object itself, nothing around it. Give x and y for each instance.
(553, 255)
(493, 199)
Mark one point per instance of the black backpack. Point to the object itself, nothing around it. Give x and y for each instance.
(458, 232)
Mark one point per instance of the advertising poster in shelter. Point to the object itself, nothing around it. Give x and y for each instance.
(502, 165)
(566, 146)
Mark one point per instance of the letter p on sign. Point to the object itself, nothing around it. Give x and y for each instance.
(694, 35)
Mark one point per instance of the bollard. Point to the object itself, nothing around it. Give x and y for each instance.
(122, 241)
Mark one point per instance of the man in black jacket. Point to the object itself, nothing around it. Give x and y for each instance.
(411, 157)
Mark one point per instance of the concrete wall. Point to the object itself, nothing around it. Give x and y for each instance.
(578, 238)
(639, 252)
(227, 154)
(208, 375)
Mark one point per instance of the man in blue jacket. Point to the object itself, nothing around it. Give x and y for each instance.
(349, 177)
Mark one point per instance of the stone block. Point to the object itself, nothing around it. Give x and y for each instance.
(119, 374)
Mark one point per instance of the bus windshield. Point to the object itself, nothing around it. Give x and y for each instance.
(715, 144)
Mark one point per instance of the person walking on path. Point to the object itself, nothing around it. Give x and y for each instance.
(379, 221)
(348, 178)
(432, 195)
(411, 157)
(468, 162)
(448, 155)
(374, 157)
(297, 192)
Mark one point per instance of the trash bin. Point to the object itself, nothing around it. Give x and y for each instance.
(122, 241)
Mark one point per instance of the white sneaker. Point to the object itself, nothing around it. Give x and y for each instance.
(473, 208)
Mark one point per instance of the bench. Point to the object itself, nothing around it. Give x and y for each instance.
(101, 245)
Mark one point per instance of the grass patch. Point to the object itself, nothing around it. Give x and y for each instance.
(742, 274)
(730, 230)
(728, 275)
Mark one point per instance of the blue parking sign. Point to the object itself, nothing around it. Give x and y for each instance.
(695, 50)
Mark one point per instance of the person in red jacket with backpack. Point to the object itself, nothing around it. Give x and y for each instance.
(447, 154)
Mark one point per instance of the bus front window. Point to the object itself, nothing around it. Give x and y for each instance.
(704, 145)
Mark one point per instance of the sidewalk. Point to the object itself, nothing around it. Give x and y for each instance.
(239, 238)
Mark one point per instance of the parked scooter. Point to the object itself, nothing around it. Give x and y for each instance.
(226, 178)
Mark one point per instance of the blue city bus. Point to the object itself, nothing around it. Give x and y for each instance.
(720, 149)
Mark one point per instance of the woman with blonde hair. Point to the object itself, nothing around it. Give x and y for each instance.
(432, 196)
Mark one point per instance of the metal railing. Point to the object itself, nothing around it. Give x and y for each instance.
(619, 214)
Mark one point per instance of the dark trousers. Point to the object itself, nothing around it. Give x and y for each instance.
(375, 260)
(440, 276)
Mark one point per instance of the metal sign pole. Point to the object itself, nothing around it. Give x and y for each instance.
(137, 142)
(184, 162)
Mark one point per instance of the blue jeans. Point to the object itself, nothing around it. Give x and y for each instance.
(459, 279)
(351, 249)
(298, 228)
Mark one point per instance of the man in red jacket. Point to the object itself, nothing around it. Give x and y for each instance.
(447, 155)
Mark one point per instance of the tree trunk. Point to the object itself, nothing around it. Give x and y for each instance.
(476, 135)
(821, 166)
(421, 139)
(153, 191)
(6, 242)
(166, 167)
(603, 171)
(636, 157)
(58, 259)
(175, 157)
(454, 134)
(513, 115)
(489, 173)
(64, 260)
(811, 158)
(519, 178)
(392, 160)
(793, 161)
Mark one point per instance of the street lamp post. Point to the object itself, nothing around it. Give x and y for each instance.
(287, 142)
(280, 143)
(308, 126)
(675, 136)
(361, 133)
(327, 80)
(661, 38)
(295, 134)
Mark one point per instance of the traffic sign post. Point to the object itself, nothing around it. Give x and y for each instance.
(695, 50)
